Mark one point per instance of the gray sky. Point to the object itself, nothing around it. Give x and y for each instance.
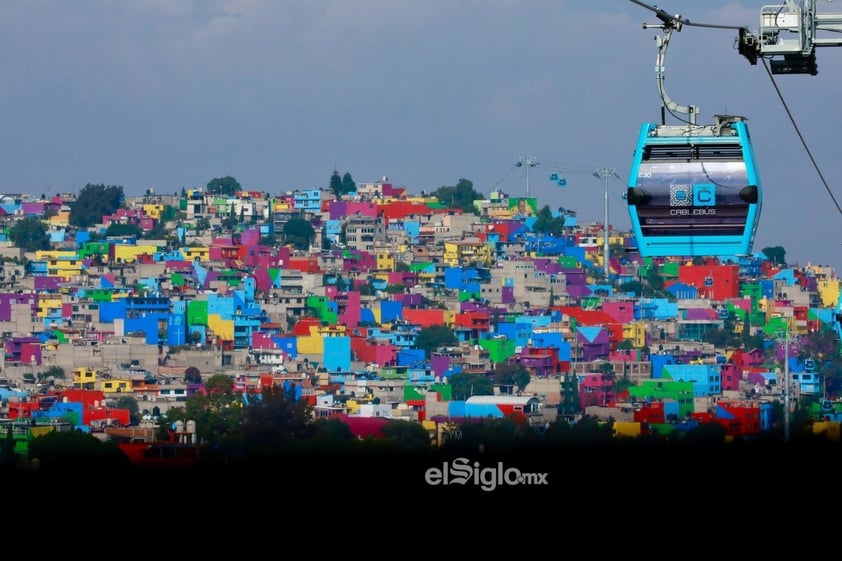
(173, 93)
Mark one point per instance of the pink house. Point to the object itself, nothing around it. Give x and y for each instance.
(596, 389)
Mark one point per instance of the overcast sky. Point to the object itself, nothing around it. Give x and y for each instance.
(167, 94)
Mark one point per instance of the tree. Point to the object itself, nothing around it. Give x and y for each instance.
(119, 229)
(823, 347)
(495, 435)
(395, 289)
(654, 280)
(201, 224)
(632, 287)
(273, 423)
(607, 371)
(30, 234)
(722, 338)
(336, 184)
(461, 196)
(546, 223)
(588, 431)
(341, 185)
(219, 384)
(156, 232)
(407, 436)
(464, 386)
(776, 254)
(94, 202)
(570, 402)
(60, 451)
(56, 372)
(192, 375)
(625, 345)
(8, 457)
(218, 414)
(298, 232)
(223, 186)
(348, 185)
(511, 374)
(332, 435)
(130, 403)
(230, 222)
(434, 336)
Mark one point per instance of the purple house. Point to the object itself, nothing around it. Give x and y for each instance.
(594, 342)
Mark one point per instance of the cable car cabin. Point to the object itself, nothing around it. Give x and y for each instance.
(694, 190)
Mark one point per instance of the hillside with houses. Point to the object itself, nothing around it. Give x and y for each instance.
(370, 305)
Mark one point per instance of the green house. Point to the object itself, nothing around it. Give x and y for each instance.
(659, 389)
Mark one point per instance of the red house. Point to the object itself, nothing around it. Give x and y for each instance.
(737, 417)
(596, 389)
(716, 282)
(473, 320)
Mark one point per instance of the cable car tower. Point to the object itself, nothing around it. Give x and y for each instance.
(788, 37)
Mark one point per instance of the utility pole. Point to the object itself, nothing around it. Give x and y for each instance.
(786, 385)
(528, 162)
(604, 174)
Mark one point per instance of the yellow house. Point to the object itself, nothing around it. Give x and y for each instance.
(466, 252)
(124, 253)
(60, 260)
(46, 305)
(626, 429)
(636, 333)
(331, 330)
(385, 261)
(116, 385)
(85, 378)
(222, 328)
(315, 342)
(828, 291)
(310, 344)
(191, 253)
(44, 254)
(61, 218)
(154, 210)
(280, 205)
(67, 268)
(451, 254)
(830, 430)
(425, 277)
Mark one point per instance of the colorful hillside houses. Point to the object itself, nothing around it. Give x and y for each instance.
(226, 293)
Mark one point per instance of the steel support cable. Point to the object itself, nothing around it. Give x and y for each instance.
(801, 137)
